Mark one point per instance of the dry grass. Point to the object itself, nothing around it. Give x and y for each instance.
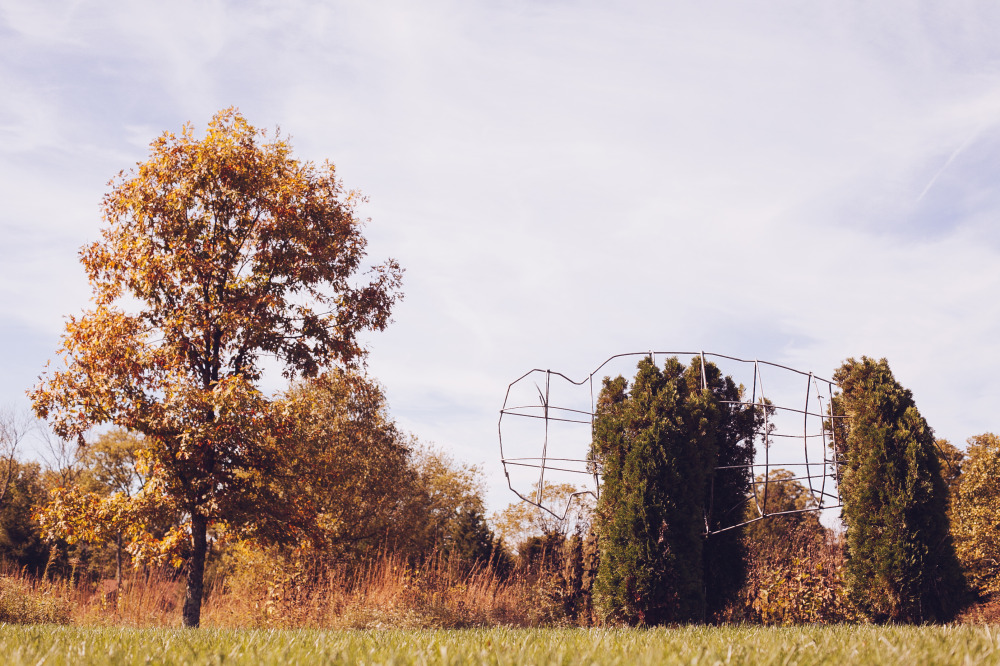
(982, 611)
(27, 601)
(385, 592)
(800, 583)
(382, 593)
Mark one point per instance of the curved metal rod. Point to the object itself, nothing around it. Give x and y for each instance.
(822, 431)
(805, 432)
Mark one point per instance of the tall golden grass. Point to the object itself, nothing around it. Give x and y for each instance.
(24, 600)
(384, 592)
(799, 581)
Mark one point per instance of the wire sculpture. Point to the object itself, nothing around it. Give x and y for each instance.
(548, 410)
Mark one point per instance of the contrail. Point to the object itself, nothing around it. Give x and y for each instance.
(947, 163)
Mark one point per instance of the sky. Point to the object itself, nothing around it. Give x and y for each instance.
(562, 181)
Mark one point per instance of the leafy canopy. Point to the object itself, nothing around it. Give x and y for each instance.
(974, 510)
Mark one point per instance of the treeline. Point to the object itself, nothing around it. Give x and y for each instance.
(375, 494)
(93, 511)
(409, 519)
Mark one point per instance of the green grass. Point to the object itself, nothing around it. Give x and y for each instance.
(46, 644)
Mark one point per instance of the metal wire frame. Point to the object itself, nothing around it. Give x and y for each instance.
(821, 482)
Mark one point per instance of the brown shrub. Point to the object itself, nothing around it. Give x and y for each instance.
(800, 581)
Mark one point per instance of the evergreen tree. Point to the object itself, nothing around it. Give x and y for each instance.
(658, 445)
(472, 541)
(901, 564)
(730, 483)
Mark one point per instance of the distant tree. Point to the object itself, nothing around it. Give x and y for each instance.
(785, 493)
(112, 463)
(21, 542)
(362, 486)
(901, 564)
(658, 446)
(14, 427)
(541, 552)
(520, 520)
(110, 467)
(952, 460)
(472, 541)
(215, 253)
(345, 462)
(442, 492)
(974, 513)
(366, 490)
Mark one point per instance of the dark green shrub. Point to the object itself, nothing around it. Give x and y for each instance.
(901, 564)
(659, 444)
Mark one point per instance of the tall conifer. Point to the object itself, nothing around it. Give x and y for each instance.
(659, 444)
(901, 564)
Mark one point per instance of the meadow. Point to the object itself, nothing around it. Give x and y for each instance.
(864, 644)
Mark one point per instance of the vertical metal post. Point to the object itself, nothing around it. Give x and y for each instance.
(767, 429)
(545, 442)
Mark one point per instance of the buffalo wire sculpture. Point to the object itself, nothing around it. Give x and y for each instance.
(547, 413)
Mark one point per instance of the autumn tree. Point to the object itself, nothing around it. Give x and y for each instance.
(901, 564)
(344, 459)
(796, 520)
(520, 520)
(371, 486)
(952, 460)
(439, 501)
(216, 253)
(974, 511)
(658, 444)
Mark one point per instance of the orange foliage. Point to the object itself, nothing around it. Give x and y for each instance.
(215, 252)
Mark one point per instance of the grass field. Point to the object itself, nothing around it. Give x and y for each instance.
(966, 644)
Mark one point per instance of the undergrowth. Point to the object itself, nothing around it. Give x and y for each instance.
(799, 582)
(25, 601)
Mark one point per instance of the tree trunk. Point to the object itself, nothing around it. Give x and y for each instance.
(118, 568)
(196, 571)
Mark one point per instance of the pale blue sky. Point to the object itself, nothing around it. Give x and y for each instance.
(797, 182)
